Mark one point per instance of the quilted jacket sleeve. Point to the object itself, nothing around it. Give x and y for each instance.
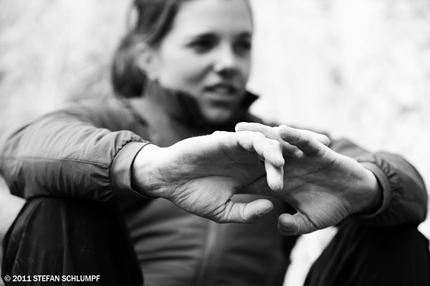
(71, 153)
(404, 193)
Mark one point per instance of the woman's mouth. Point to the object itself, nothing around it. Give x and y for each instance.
(222, 92)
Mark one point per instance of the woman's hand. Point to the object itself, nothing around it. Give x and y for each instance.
(323, 186)
(201, 174)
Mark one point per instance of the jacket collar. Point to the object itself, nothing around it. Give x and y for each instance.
(184, 108)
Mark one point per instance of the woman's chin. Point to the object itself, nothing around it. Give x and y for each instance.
(217, 117)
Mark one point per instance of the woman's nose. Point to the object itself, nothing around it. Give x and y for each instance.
(227, 61)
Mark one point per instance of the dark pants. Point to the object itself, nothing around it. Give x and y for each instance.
(70, 240)
(367, 256)
(39, 243)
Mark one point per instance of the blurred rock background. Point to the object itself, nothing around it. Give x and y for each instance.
(357, 69)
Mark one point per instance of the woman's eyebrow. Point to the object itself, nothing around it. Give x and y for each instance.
(204, 36)
(212, 35)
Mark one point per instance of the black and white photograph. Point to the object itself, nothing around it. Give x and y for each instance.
(215, 142)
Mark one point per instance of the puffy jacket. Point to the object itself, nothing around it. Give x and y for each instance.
(86, 152)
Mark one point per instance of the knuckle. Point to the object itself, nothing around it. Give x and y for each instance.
(219, 133)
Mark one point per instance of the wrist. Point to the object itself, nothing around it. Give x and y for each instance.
(145, 177)
(121, 171)
(372, 194)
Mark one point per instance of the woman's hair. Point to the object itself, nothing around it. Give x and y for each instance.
(154, 20)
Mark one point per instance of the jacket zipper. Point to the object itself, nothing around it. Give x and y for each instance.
(211, 243)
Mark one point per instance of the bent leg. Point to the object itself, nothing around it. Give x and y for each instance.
(53, 236)
(359, 255)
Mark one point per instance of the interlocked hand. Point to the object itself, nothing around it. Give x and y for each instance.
(201, 174)
(323, 186)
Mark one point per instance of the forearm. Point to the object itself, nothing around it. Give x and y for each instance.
(61, 155)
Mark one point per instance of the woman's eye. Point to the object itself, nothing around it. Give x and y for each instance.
(243, 46)
(202, 45)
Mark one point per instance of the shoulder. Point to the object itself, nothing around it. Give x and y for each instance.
(110, 113)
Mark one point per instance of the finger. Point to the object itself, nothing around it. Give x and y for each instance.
(270, 132)
(294, 224)
(267, 131)
(302, 140)
(271, 152)
(320, 137)
(246, 212)
(275, 177)
(268, 149)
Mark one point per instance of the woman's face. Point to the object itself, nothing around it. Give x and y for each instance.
(207, 55)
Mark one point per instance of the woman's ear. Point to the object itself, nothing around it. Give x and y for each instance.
(146, 60)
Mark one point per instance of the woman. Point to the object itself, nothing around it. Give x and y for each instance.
(181, 73)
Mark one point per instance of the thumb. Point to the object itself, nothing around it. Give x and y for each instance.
(246, 212)
(295, 224)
